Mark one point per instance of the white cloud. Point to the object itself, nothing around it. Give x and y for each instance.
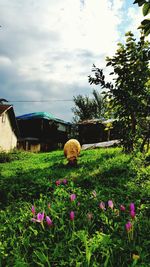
(5, 61)
(48, 47)
(135, 17)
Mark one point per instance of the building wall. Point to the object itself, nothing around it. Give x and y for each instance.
(35, 148)
(51, 134)
(8, 139)
(92, 133)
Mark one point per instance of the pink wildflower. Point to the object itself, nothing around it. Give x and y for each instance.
(40, 217)
(72, 215)
(132, 207)
(33, 210)
(65, 181)
(58, 182)
(102, 205)
(72, 197)
(49, 221)
(122, 208)
(132, 213)
(128, 226)
(110, 204)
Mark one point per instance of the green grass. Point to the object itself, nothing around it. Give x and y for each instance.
(30, 179)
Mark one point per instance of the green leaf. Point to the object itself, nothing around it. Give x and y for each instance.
(108, 64)
(41, 257)
(129, 39)
(139, 2)
(146, 9)
(147, 32)
(145, 26)
(145, 22)
(107, 259)
(33, 230)
(129, 33)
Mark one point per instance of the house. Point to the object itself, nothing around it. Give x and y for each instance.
(41, 131)
(96, 130)
(9, 131)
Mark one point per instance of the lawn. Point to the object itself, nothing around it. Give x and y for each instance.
(95, 214)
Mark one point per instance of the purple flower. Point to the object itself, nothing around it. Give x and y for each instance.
(132, 213)
(78, 203)
(102, 205)
(128, 226)
(72, 215)
(49, 221)
(122, 208)
(72, 197)
(58, 182)
(110, 204)
(33, 210)
(132, 207)
(40, 217)
(65, 181)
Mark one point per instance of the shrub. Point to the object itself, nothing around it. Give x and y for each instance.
(5, 157)
(12, 155)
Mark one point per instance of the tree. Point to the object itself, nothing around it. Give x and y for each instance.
(145, 24)
(129, 94)
(2, 101)
(144, 122)
(88, 108)
(83, 108)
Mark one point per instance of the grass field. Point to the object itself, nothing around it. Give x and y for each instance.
(52, 215)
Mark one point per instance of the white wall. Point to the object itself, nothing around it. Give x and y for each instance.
(8, 139)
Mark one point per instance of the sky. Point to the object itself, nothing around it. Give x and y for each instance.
(48, 47)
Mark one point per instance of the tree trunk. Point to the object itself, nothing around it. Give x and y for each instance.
(133, 130)
(144, 142)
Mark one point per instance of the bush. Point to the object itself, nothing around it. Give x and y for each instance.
(12, 155)
(5, 157)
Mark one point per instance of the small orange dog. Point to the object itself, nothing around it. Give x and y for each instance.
(72, 150)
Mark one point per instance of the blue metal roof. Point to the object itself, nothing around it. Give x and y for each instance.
(41, 115)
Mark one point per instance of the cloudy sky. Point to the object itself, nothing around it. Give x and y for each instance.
(48, 47)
